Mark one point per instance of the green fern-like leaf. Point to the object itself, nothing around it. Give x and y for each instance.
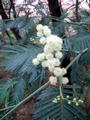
(19, 58)
(17, 92)
(5, 89)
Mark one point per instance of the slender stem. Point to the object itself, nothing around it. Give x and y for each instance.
(74, 51)
(42, 87)
(7, 108)
(71, 23)
(76, 58)
(61, 99)
(77, 7)
(60, 88)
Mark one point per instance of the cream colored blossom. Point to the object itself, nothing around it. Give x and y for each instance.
(56, 62)
(64, 71)
(35, 61)
(39, 27)
(40, 34)
(43, 30)
(46, 31)
(54, 39)
(49, 56)
(53, 80)
(55, 42)
(41, 57)
(42, 40)
(58, 72)
(53, 62)
(48, 49)
(51, 68)
(58, 55)
(44, 64)
(50, 62)
(65, 80)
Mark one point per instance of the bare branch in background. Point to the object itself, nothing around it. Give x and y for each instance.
(5, 17)
(13, 8)
(77, 7)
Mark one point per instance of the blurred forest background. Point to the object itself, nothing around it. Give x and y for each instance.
(19, 44)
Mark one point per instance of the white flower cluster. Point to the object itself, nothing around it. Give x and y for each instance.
(52, 54)
(43, 30)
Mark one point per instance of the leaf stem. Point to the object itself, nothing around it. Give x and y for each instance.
(61, 99)
(76, 58)
(74, 51)
(7, 108)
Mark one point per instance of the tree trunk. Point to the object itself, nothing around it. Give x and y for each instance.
(54, 8)
(77, 14)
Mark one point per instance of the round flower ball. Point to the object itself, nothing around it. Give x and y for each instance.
(53, 80)
(65, 80)
(35, 61)
(58, 72)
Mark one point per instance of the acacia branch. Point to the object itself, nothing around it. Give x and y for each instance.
(7, 108)
(42, 87)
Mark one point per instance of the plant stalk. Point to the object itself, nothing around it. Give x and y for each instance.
(7, 108)
(61, 99)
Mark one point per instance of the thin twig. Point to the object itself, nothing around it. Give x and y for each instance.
(76, 58)
(61, 99)
(74, 51)
(77, 6)
(7, 108)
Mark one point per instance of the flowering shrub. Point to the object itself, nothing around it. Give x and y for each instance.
(50, 58)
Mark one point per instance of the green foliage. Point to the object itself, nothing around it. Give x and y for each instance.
(12, 91)
(25, 26)
(17, 92)
(80, 42)
(18, 59)
(58, 28)
(5, 90)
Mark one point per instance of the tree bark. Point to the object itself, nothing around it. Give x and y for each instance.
(5, 17)
(77, 7)
(54, 8)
